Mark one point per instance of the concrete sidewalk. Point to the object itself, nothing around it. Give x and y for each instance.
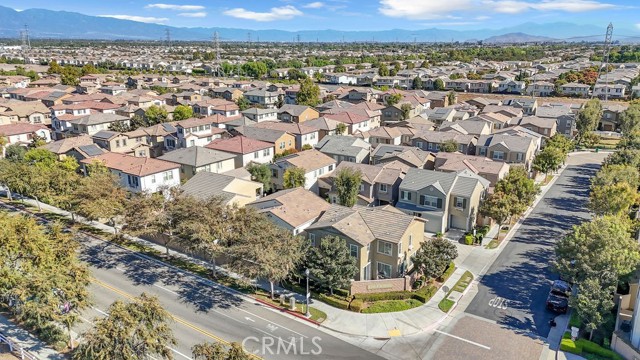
(32, 345)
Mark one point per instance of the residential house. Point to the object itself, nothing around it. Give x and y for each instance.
(245, 149)
(387, 135)
(611, 114)
(196, 132)
(541, 88)
(395, 113)
(314, 163)
(528, 106)
(574, 89)
(507, 148)
(433, 140)
(511, 87)
(263, 98)
(260, 115)
(306, 137)
(292, 209)
(216, 106)
(233, 190)
(381, 239)
(379, 186)
(564, 116)
(325, 126)
(345, 148)
(139, 174)
(447, 200)
(611, 91)
(471, 126)
(133, 143)
(491, 170)
(92, 123)
(229, 94)
(403, 156)
(23, 133)
(282, 141)
(297, 113)
(546, 127)
(195, 159)
(33, 112)
(71, 146)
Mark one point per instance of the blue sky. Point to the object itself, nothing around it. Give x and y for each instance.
(353, 14)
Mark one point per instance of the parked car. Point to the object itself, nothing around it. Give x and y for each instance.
(558, 299)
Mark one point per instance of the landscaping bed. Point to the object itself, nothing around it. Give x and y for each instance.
(461, 285)
(586, 348)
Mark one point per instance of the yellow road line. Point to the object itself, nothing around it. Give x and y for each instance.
(175, 318)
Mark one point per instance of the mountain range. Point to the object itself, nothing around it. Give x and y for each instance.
(71, 25)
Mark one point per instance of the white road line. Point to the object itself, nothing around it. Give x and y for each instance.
(100, 311)
(179, 353)
(463, 339)
(269, 321)
(85, 320)
(165, 289)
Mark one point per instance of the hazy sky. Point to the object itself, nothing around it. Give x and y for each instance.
(354, 14)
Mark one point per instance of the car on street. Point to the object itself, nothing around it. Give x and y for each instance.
(558, 298)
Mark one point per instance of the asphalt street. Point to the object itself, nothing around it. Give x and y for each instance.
(514, 289)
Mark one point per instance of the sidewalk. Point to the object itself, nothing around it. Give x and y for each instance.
(28, 342)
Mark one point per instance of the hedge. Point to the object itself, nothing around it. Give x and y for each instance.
(340, 304)
(425, 294)
(391, 306)
(356, 305)
(585, 346)
(450, 269)
(392, 295)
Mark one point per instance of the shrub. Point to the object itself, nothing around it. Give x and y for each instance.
(392, 295)
(570, 346)
(341, 292)
(445, 305)
(337, 303)
(356, 305)
(450, 269)
(391, 306)
(574, 321)
(593, 348)
(425, 294)
(468, 239)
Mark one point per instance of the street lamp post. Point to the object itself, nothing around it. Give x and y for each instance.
(307, 314)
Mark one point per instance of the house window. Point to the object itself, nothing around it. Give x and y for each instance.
(368, 247)
(520, 156)
(124, 142)
(430, 201)
(312, 239)
(330, 167)
(265, 152)
(117, 143)
(256, 155)
(282, 145)
(400, 247)
(405, 195)
(192, 143)
(460, 203)
(274, 173)
(209, 138)
(498, 155)
(384, 270)
(419, 144)
(153, 179)
(133, 181)
(410, 241)
(385, 248)
(361, 187)
(168, 175)
(353, 250)
(383, 188)
(483, 151)
(417, 214)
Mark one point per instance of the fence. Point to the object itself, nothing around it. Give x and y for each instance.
(17, 349)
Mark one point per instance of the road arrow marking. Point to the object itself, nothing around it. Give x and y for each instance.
(249, 319)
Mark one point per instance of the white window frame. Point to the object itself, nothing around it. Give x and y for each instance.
(405, 195)
(387, 248)
(459, 202)
(383, 188)
(353, 247)
(380, 264)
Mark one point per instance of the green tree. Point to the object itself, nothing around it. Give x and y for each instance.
(393, 99)
(243, 103)
(548, 160)
(449, 146)
(136, 330)
(614, 199)
(602, 245)
(433, 256)
(406, 110)
(37, 141)
(593, 303)
(498, 207)
(629, 157)
(588, 118)
(347, 183)
(417, 83)
(182, 112)
(120, 126)
(15, 152)
(262, 174)
(331, 263)
(341, 129)
(517, 183)
(383, 70)
(88, 69)
(156, 115)
(561, 142)
(309, 93)
(217, 351)
(294, 177)
(100, 196)
(54, 68)
(452, 98)
(438, 85)
(614, 174)
(630, 119)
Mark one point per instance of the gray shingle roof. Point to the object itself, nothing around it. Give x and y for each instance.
(196, 156)
(342, 145)
(205, 185)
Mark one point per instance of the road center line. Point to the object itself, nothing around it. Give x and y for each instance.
(463, 339)
(179, 353)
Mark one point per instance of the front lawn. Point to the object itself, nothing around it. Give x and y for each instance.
(391, 306)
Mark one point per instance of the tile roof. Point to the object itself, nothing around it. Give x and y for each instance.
(138, 166)
(66, 144)
(309, 160)
(295, 206)
(196, 156)
(239, 145)
(20, 128)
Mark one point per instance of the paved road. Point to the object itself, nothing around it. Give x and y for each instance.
(514, 289)
(202, 310)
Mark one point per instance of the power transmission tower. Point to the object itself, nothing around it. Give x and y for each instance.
(249, 38)
(605, 63)
(167, 37)
(217, 67)
(26, 43)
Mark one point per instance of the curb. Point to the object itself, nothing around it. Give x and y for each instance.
(292, 313)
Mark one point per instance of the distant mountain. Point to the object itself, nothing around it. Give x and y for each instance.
(519, 37)
(69, 25)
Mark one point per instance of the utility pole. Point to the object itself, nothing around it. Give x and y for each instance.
(605, 63)
(167, 37)
(249, 38)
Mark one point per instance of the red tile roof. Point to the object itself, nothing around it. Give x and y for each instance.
(20, 128)
(139, 166)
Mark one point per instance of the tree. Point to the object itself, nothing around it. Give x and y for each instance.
(417, 83)
(294, 177)
(37, 141)
(309, 93)
(588, 118)
(65, 179)
(243, 103)
(438, 85)
(452, 98)
(560, 142)
(383, 70)
(88, 69)
(156, 115)
(15, 152)
(406, 110)
(613, 174)
(449, 146)
(517, 183)
(347, 183)
(590, 139)
(182, 112)
(262, 174)
(393, 99)
(331, 263)
(602, 245)
(341, 129)
(217, 351)
(614, 199)
(136, 330)
(433, 256)
(630, 119)
(548, 160)
(100, 195)
(120, 126)
(629, 157)
(498, 207)
(593, 303)
(265, 250)
(54, 68)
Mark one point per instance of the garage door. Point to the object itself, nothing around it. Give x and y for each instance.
(458, 222)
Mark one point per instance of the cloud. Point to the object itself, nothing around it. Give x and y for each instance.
(277, 13)
(176, 7)
(430, 10)
(144, 19)
(482, 18)
(314, 5)
(199, 14)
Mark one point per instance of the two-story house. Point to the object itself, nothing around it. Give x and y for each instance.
(396, 135)
(233, 191)
(124, 143)
(379, 186)
(381, 239)
(195, 159)
(433, 140)
(345, 148)
(139, 174)
(93, 123)
(574, 89)
(314, 163)
(491, 170)
(445, 200)
(297, 113)
(23, 133)
(305, 136)
(546, 127)
(260, 115)
(246, 150)
(196, 132)
(508, 148)
(263, 98)
(404, 156)
(281, 140)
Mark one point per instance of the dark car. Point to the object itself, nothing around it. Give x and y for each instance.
(558, 299)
